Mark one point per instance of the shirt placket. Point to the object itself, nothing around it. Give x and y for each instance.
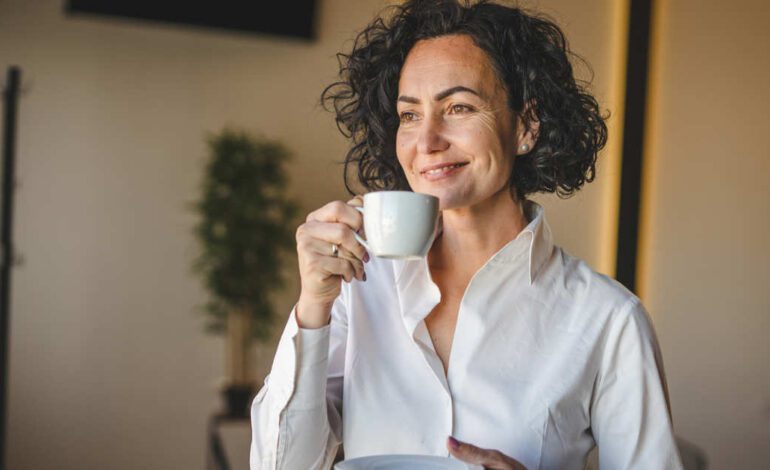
(418, 295)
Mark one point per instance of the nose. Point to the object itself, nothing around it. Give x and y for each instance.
(431, 139)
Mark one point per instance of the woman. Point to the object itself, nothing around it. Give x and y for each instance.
(498, 349)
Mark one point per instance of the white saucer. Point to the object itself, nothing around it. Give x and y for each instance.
(405, 462)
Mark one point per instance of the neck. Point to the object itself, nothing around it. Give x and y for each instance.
(475, 233)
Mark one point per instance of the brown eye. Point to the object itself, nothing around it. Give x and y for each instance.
(459, 109)
(407, 116)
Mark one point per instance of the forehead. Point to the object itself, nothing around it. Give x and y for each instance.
(439, 63)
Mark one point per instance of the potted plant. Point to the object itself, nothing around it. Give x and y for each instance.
(244, 228)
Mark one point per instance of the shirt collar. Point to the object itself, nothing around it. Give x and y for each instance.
(418, 294)
(535, 240)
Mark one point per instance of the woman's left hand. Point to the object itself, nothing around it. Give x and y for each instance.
(489, 459)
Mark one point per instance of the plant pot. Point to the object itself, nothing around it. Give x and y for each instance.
(239, 351)
(239, 386)
(237, 400)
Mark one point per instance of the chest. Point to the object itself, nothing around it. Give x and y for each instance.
(511, 379)
(441, 322)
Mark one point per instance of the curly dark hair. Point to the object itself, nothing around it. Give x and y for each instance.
(531, 57)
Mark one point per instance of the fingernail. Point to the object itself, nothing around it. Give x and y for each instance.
(453, 443)
(364, 277)
(366, 257)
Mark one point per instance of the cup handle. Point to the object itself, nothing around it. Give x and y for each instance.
(359, 238)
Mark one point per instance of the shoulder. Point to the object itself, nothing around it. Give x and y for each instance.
(607, 315)
(599, 297)
(579, 279)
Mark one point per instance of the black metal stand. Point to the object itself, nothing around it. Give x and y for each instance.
(10, 109)
(216, 458)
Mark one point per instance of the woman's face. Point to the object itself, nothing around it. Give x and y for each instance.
(457, 137)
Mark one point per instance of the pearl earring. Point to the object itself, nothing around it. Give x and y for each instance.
(524, 148)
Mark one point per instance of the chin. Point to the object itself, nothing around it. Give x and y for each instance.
(457, 199)
(449, 196)
(450, 205)
(451, 201)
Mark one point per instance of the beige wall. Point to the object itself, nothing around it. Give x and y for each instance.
(109, 367)
(585, 224)
(707, 263)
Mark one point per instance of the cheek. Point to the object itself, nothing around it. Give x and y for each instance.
(404, 149)
(488, 123)
(480, 137)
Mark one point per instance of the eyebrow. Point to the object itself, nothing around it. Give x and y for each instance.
(441, 95)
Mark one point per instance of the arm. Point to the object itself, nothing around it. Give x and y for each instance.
(630, 415)
(296, 417)
(296, 423)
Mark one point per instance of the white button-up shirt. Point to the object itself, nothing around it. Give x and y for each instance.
(549, 359)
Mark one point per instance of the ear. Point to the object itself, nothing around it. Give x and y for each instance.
(527, 134)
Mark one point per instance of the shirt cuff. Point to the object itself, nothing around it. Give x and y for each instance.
(299, 369)
(312, 367)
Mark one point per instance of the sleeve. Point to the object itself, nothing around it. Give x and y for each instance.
(630, 416)
(296, 418)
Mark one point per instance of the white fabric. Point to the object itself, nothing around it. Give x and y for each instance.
(549, 359)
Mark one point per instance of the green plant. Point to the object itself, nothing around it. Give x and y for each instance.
(245, 226)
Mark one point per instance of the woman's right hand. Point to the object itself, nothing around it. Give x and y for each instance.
(320, 270)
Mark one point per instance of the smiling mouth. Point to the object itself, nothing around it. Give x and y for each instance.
(440, 170)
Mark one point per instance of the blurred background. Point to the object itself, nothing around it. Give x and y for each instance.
(108, 363)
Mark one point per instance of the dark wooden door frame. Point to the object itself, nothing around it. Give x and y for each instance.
(637, 68)
(10, 109)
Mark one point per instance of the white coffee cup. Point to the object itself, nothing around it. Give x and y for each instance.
(399, 224)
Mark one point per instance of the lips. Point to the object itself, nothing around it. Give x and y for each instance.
(441, 169)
